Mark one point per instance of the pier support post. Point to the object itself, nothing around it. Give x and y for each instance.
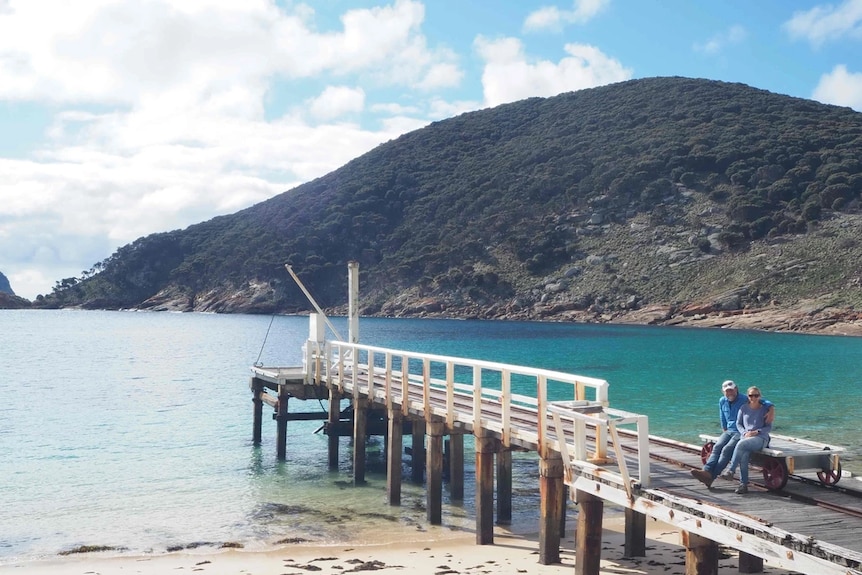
(486, 446)
(257, 390)
(393, 456)
(749, 563)
(417, 450)
(701, 554)
(635, 545)
(551, 493)
(333, 420)
(360, 423)
(588, 546)
(456, 466)
(281, 424)
(504, 486)
(434, 467)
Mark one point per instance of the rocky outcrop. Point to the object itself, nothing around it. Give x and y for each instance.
(5, 287)
(254, 297)
(9, 301)
(803, 317)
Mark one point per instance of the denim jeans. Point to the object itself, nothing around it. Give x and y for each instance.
(743, 452)
(722, 452)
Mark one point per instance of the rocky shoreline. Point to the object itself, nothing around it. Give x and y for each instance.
(809, 316)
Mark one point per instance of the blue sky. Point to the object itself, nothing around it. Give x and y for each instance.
(119, 119)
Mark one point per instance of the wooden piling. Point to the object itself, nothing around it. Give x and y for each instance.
(701, 554)
(333, 419)
(257, 390)
(749, 563)
(504, 486)
(635, 538)
(393, 456)
(281, 423)
(417, 450)
(486, 446)
(360, 422)
(551, 492)
(564, 500)
(434, 472)
(588, 545)
(456, 466)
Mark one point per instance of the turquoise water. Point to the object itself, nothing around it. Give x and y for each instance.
(133, 430)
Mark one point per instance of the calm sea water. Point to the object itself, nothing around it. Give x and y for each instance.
(133, 430)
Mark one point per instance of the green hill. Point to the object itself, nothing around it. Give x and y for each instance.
(660, 191)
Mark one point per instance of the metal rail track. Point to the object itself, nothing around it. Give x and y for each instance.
(850, 511)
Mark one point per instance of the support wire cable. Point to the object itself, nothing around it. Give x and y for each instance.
(258, 363)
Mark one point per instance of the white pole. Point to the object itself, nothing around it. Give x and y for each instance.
(353, 301)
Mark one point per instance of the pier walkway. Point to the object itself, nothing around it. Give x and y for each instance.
(589, 453)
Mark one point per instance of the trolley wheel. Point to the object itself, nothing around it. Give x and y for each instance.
(706, 450)
(774, 473)
(830, 476)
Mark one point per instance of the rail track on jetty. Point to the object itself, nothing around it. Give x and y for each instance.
(844, 498)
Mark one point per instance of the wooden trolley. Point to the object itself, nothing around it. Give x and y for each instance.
(786, 455)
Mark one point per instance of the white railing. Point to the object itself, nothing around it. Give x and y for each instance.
(434, 384)
(479, 393)
(570, 425)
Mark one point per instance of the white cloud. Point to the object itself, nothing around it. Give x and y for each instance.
(394, 109)
(733, 35)
(443, 75)
(841, 88)
(509, 75)
(827, 22)
(384, 43)
(545, 18)
(336, 101)
(551, 17)
(440, 109)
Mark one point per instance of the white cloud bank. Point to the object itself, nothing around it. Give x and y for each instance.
(161, 115)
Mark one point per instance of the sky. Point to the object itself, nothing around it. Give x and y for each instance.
(122, 118)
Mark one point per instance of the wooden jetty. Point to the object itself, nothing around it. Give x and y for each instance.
(589, 453)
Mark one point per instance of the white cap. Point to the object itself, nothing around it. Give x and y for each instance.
(728, 384)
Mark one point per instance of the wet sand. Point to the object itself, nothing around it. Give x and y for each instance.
(510, 554)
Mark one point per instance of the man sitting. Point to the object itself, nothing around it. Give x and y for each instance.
(722, 450)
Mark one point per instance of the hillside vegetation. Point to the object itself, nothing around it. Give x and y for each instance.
(662, 193)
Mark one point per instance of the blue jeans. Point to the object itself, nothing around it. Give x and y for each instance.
(722, 452)
(742, 453)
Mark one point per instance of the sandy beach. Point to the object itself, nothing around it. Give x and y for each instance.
(509, 554)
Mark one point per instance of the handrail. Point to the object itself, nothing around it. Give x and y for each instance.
(599, 385)
(456, 377)
(570, 422)
(560, 427)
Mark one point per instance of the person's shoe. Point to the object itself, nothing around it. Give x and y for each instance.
(703, 476)
(727, 474)
(743, 488)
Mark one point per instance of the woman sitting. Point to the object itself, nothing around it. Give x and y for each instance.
(753, 427)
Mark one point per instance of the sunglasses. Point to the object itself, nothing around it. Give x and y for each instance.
(753, 395)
